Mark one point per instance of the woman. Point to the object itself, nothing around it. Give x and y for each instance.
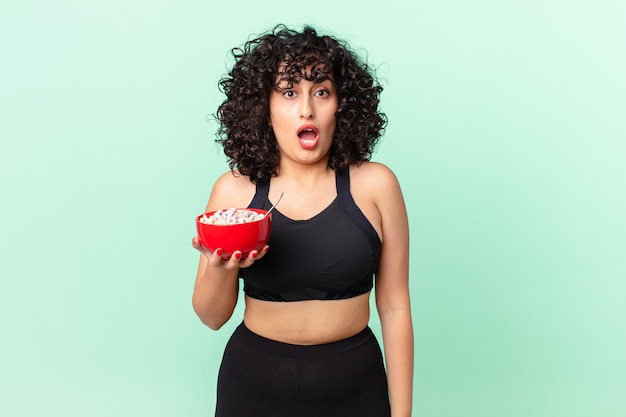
(301, 120)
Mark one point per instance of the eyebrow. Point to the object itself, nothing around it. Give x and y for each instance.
(286, 79)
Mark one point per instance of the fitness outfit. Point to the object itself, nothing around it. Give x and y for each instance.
(331, 256)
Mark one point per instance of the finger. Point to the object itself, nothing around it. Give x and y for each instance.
(235, 258)
(253, 257)
(261, 253)
(215, 258)
(249, 260)
(195, 242)
(231, 263)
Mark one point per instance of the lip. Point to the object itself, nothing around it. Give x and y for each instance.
(308, 127)
(308, 144)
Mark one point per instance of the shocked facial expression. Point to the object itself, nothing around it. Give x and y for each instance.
(303, 118)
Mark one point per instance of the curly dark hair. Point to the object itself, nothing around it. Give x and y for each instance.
(245, 133)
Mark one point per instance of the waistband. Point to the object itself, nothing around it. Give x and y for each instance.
(251, 339)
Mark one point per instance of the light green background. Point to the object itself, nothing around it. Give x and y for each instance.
(507, 132)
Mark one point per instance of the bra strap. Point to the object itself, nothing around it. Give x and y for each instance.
(260, 196)
(342, 178)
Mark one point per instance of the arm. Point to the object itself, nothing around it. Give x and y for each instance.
(216, 287)
(392, 292)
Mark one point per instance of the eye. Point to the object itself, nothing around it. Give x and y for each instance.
(289, 94)
(322, 93)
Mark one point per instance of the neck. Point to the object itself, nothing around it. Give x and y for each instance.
(304, 174)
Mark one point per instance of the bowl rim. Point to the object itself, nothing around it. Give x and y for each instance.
(208, 213)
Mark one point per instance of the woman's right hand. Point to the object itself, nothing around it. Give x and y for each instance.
(215, 259)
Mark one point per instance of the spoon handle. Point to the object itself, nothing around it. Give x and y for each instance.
(277, 201)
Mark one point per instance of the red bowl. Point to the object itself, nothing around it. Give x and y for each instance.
(244, 237)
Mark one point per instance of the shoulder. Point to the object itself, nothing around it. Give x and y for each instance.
(372, 174)
(231, 189)
(233, 179)
(376, 183)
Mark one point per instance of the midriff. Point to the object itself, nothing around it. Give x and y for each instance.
(307, 322)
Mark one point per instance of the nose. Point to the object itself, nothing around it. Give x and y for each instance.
(306, 108)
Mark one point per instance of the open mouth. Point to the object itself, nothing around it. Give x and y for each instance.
(309, 136)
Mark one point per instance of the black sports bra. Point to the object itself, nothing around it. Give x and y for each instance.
(333, 255)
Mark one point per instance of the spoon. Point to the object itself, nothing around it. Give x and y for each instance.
(272, 208)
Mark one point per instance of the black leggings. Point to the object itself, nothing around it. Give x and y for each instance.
(260, 377)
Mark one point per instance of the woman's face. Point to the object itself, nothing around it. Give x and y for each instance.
(303, 119)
